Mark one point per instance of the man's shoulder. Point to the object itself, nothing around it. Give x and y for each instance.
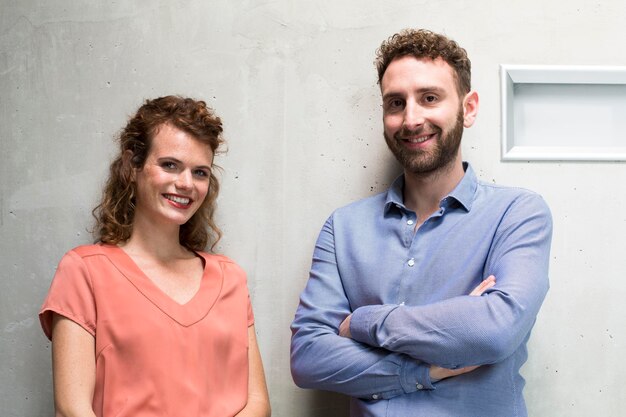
(506, 195)
(505, 191)
(367, 205)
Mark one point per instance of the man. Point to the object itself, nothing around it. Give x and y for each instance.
(396, 313)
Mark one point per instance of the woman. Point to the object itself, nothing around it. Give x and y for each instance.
(144, 322)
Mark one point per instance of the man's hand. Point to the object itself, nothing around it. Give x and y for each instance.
(437, 373)
(489, 282)
(344, 327)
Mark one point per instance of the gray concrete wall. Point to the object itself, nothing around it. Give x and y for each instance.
(295, 86)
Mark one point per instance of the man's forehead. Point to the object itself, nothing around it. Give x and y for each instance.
(409, 69)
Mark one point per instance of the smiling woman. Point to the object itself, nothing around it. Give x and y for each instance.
(116, 212)
(174, 180)
(145, 321)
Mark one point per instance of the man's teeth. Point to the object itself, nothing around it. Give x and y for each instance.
(179, 200)
(418, 140)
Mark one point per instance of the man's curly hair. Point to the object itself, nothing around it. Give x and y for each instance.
(421, 43)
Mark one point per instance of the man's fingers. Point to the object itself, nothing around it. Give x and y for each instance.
(438, 373)
(465, 370)
(344, 327)
(487, 283)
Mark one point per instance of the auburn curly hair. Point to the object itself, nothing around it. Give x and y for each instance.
(422, 43)
(115, 213)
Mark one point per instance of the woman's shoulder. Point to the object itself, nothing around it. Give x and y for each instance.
(227, 264)
(93, 249)
(88, 254)
(216, 257)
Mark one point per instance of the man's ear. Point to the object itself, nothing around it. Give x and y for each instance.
(470, 108)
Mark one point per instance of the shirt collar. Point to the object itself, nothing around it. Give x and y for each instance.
(463, 193)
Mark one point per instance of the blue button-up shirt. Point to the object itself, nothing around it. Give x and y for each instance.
(408, 292)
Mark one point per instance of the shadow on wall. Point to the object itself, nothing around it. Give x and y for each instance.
(391, 171)
(327, 404)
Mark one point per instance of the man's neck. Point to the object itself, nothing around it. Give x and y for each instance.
(424, 192)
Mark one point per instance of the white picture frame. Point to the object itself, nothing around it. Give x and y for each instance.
(563, 113)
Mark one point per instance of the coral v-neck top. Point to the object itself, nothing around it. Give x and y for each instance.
(155, 357)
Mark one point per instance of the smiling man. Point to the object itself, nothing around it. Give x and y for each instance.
(421, 299)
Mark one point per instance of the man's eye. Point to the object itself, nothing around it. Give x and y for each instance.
(395, 103)
(430, 99)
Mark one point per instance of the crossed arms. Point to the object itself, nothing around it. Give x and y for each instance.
(391, 347)
(436, 373)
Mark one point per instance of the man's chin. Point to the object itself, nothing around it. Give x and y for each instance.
(418, 164)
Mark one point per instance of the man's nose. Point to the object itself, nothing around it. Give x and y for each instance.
(413, 116)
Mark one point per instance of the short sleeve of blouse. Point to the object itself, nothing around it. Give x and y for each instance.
(233, 271)
(70, 295)
(250, 313)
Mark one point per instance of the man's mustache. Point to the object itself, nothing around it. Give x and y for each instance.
(424, 129)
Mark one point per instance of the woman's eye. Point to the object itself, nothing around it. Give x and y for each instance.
(201, 173)
(168, 165)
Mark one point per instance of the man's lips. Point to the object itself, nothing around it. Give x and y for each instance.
(417, 138)
(415, 141)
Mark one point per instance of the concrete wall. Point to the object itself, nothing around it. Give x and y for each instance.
(295, 86)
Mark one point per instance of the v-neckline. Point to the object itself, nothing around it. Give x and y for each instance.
(185, 314)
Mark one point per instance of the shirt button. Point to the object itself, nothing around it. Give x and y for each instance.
(375, 397)
(411, 262)
(419, 386)
(409, 222)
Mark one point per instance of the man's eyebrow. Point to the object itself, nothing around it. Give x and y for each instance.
(421, 90)
(431, 89)
(391, 94)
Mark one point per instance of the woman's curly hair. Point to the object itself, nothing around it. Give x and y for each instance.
(421, 43)
(115, 213)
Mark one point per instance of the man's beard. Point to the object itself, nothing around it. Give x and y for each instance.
(439, 157)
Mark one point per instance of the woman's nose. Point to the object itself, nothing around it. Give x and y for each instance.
(184, 180)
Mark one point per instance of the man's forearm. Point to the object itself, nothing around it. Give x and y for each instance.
(324, 360)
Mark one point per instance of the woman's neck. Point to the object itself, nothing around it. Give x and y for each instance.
(160, 243)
